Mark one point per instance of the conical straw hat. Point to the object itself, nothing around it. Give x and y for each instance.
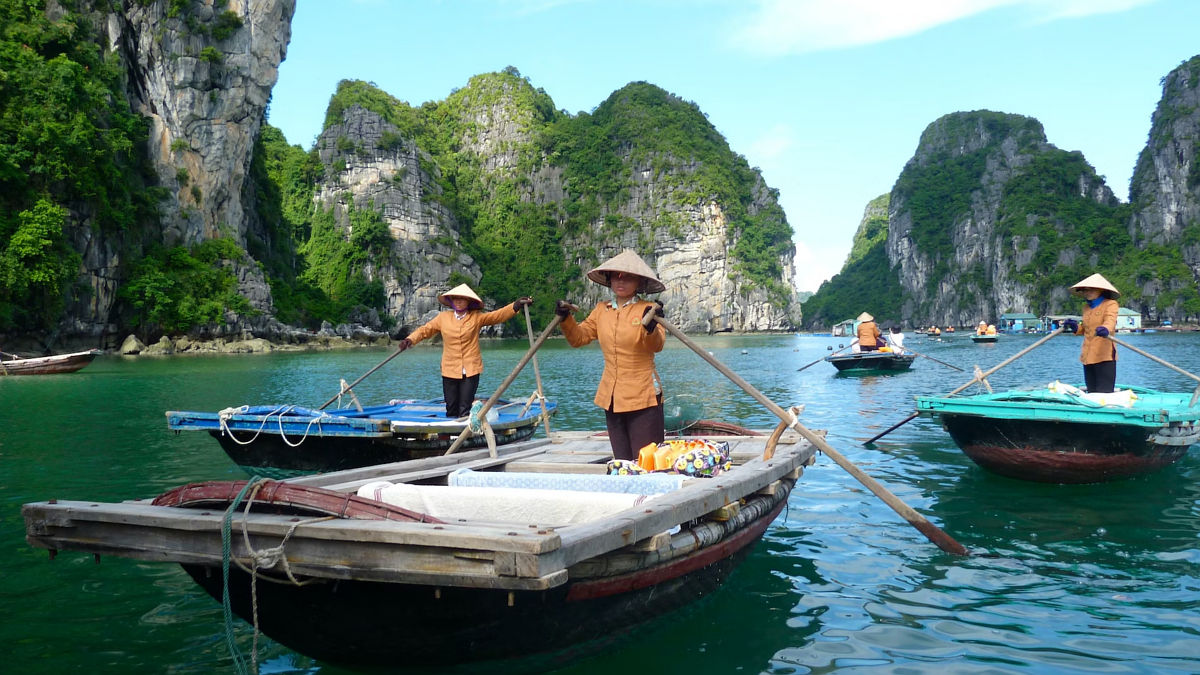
(1098, 282)
(461, 291)
(865, 317)
(627, 261)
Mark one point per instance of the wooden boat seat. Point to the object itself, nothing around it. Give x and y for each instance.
(517, 505)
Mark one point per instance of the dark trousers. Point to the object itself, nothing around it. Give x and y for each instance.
(459, 394)
(629, 432)
(1100, 378)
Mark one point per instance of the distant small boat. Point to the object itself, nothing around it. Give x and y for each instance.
(1058, 434)
(985, 338)
(282, 441)
(871, 361)
(49, 365)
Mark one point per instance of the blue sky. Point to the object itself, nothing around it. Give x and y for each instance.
(828, 98)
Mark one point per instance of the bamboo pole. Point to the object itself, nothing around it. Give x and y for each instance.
(977, 378)
(537, 374)
(348, 387)
(931, 531)
(1195, 394)
(466, 432)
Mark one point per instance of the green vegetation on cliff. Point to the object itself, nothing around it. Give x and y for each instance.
(69, 144)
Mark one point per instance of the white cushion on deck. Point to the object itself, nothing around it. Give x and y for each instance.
(501, 504)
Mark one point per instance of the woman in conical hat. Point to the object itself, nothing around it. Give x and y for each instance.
(462, 361)
(632, 402)
(1099, 354)
(869, 337)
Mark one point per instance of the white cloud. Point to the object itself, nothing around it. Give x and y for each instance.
(778, 27)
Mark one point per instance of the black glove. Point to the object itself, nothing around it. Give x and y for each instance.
(1070, 326)
(658, 311)
(404, 344)
(1101, 331)
(523, 301)
(562, 308)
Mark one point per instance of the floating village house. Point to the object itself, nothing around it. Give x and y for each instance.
(1018, 322)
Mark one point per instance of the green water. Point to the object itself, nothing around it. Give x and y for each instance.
(1092, 578)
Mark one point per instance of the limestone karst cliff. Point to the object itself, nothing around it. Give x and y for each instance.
(988, 217)
(497, 187)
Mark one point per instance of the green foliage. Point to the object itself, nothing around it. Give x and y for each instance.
(227, 23)
(336, 264)
(173, 289)
(867, 284)
(36, 267)
(873, 230)
(211, 55)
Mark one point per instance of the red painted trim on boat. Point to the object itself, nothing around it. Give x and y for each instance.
(220, 494)
(599, 588)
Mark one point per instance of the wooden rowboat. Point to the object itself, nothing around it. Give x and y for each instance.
(283, 441)
(985, 338)
(533, 570)
(49, 365)
(874, 361)
(1056, 435)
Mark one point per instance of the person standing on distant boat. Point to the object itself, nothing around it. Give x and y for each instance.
(896, 339)
(628, 393)
(869, 338)
(1099, 354)
(461, 360)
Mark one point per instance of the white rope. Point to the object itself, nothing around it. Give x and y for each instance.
(227, 413)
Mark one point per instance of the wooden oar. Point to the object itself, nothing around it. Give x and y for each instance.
(466, 432)
(931, 531)
(1195, 394)
(825, 357)
(979, 377)
(903, 349)
(537, 374)
(364, 376)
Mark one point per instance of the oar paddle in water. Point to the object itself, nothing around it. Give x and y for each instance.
(901, 349)
(824, 357)
(931, 531)
(466, 432)
(978, 378)
(1172, 366)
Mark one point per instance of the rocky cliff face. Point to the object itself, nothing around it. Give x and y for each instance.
(963, 251)
(388, 177)
(499, 140)
(202, 76)
(1165, 188)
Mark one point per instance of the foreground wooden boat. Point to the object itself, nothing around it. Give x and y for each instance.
(1060, 435)
(871, 362)
(49, 365)
(363, 582)
(286, 441)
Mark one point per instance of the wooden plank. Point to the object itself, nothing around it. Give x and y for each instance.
(432, 473)
(448, 462)
(137, 516)
(556, 467)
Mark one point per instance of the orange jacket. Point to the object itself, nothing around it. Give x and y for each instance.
(460, 338)
(1098, 349)
(627, 383)
(868, 334)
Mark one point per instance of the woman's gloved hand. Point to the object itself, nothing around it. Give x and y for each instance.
(562, 308)
(404, 344)
(523, 301)
(658, 311)
(1070, 326)
(1101, 331)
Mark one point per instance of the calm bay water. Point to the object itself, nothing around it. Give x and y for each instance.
(1091, 578)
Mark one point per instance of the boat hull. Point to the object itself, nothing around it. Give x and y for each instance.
(1063, 452)
(49, 365)
(275, 456)
(984, 339)
(871, 362)
(382, 624)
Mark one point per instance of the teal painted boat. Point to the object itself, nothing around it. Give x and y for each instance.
(1060, 434)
